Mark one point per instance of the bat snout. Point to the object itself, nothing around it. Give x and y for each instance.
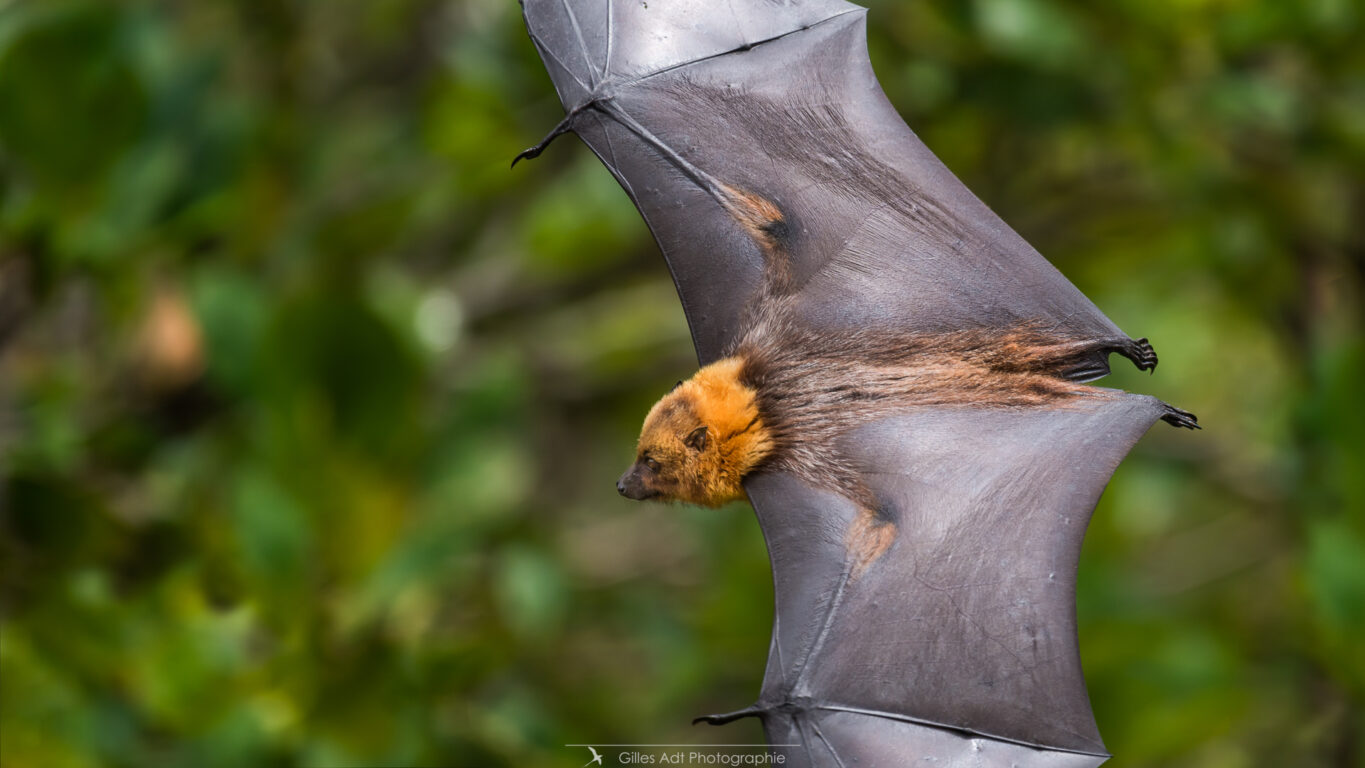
(632, 486)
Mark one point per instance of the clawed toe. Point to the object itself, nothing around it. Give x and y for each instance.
(1178, 418)
(1142, 355)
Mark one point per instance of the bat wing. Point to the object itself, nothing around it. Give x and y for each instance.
(959, 642)
(680, 98)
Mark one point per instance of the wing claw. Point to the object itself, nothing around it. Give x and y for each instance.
(753, 710)
(563, 127)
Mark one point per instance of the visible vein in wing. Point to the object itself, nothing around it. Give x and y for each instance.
(806, 739)
(953, 728)
(611, 149)
(582, 44)
(952, 600)
(741, 49)
(551, 54)
(816, 727)
(830, 612)
(606, 60)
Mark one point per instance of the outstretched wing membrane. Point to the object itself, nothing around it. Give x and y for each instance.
(964, 632)
(681, 97)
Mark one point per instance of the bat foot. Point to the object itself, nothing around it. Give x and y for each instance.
(750, 711)
(1178, 418)
(1090, 366)
(1141, 353)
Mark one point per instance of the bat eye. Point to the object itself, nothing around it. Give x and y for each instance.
(652, 464)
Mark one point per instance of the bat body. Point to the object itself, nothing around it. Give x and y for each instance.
(891, 375)
(785, 396)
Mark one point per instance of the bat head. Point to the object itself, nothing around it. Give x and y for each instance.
(699, 441)
(676, 459)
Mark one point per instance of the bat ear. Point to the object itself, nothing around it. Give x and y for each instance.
(675, 386)
(696, 439)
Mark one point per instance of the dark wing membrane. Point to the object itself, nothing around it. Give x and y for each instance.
(591, 46)
(846, 739)
(685, 97)
(963, 633)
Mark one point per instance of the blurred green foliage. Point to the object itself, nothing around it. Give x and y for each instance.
(310, 409)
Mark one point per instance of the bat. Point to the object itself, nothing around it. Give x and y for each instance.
(893, 377)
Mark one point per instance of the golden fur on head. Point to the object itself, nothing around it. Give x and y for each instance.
(700, 440)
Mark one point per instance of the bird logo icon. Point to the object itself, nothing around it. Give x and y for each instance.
(596, 758)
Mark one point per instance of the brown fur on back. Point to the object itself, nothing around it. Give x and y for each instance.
(813, 387)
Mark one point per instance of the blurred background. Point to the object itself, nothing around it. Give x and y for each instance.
(310, 409)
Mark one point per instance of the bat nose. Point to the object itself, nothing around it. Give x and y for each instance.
(621, 487)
